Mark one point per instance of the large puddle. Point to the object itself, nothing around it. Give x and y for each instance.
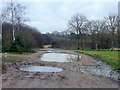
(101, 69)
(40, 69)
(60, 57)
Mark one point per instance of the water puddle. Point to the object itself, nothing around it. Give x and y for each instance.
(50, 51)
(41, 69)
(60, 57)
(102, 70)
(64, 51)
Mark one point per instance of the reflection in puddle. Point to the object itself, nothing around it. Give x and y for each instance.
(41, 69)
(74, 58)
(99, 70)
(50, 51)
(60, 57)
(64, 51)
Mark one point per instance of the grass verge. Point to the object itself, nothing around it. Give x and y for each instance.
(110, 57)
(12, 59)
(47, 46)
(22, 53)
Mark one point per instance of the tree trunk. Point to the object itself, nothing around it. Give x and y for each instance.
(13, 35)
(78, 40)
(93, 42)
(81, 44)
(112, 44)
(96, 46)
(81, 41)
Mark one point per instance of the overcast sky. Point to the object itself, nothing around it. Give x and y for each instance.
(51, 16)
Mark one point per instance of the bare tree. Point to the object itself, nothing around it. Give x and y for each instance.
(77, 24)
(14, 13)
(112, 22)
(91, 27)
(100, 28)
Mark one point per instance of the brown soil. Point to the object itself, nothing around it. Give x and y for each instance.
(14, 78)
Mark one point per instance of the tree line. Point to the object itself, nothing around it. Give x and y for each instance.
(103, 33)
(93, 34)
(25, 39)
(81, 32)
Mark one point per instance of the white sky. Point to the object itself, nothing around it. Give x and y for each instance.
(48, 16)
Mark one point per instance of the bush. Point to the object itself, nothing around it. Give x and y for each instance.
(17, 45)
(55, 44)
(26, 38)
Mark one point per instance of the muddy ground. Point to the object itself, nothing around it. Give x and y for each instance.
(14, 78)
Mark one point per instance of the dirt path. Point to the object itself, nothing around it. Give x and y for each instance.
(14, 78)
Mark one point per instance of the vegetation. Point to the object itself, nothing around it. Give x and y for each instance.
(81, 33)
(27, 39)
(23, 53)
(48, 46)
(12, 59)
(87, 34)
(110, 57)
(77, 24)
(66, 40)
(16, 36)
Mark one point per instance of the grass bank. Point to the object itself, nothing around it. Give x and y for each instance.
(110, 57)
(12, 59)
(47, 46)
(22, 53)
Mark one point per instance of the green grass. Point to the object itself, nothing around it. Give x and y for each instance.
(110, 57)
(21, 53)
(37, 48)
(12, 59)
(49, 46)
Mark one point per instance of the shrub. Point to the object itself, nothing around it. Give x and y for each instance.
(17, 45)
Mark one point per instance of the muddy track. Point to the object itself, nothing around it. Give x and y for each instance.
(15, 78)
